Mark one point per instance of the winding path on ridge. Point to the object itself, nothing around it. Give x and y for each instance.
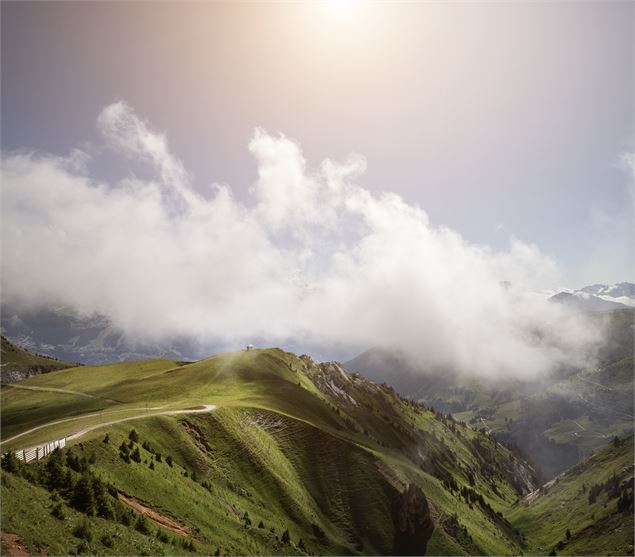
(198, 410)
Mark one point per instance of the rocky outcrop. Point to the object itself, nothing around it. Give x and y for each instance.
(413, 522)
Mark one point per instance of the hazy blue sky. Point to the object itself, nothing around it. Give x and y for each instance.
(499, 119)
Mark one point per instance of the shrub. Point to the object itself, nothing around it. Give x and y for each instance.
(318, 532)
(58, 511)
(106, 440)
(285, 537)
(83, 531)
(148, 447)
(126, 518)
(168, 460)
(142, 525)
(133, 436)
(135, 455)
(261, 524)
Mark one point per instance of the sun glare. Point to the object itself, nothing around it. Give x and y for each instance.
(342, 7)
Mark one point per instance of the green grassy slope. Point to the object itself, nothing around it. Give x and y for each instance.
(299, 445)
(17, 364)
(596, 525)
(343, 464)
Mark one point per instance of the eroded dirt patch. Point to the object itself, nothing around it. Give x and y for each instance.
(153, 515)
(11, 545)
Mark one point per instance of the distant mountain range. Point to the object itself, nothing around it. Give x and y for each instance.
(598, 297)
(62, 333)
(89, 339)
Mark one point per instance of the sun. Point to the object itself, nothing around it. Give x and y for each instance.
(342, 7)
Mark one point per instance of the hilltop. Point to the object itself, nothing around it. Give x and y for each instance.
(345, 465)
(298, 457)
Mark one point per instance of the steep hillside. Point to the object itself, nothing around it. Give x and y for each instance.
(587, 510)
(340, 464)
(17, 364)
(557, 421)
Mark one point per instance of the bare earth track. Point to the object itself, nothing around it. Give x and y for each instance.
(164, 521)
(11, 545)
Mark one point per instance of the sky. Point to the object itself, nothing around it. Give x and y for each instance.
(500, 119)
(406, 175)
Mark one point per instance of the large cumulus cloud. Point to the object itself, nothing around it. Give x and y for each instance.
(310, 254)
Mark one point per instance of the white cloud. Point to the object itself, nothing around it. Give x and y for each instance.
(131, 136)
(311, 255)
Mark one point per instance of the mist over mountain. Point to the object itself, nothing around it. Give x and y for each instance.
(310, 254)
(557, 419)
(207, 207)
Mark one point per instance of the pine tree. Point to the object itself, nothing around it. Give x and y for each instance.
(55, 475)
(11, 463)
(83, 498)
(103, 505)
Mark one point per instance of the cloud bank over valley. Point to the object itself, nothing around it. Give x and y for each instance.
(311, 254)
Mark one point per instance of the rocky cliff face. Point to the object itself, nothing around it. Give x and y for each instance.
(413, 523)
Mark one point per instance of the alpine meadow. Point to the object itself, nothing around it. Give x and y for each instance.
(323, 277)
